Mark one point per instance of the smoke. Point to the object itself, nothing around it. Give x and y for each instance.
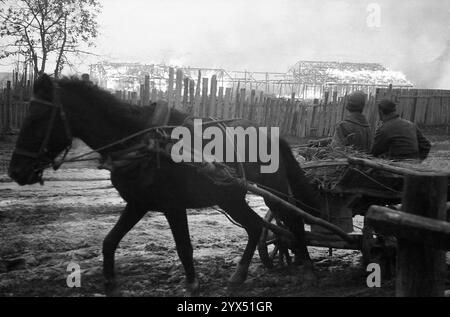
(272, 35)
(434, 74)
(417, 40)
(443, 62)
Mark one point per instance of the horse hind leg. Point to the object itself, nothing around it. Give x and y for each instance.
(296, 225)
(178, 223)
(127, 220)
(245, 216)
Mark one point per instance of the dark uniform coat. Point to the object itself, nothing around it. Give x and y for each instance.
(353, 131)
(398, 138)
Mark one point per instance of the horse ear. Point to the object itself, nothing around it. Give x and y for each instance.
(43, 87)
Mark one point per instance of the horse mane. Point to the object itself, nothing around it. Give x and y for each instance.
(108, 104)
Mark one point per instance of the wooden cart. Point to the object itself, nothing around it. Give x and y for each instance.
(348, 187)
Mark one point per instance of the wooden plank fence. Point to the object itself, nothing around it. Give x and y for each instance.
(13, 106)
(302, 118)
(204, 97)
(426, 107)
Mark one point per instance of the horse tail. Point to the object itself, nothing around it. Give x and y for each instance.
(306, 196)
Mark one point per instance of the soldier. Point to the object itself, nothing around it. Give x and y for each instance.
(354, 130)
(398, 138)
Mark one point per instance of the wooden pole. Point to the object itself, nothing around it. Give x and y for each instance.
(241, 103)
(7, 112)
(178, 89)
(154, 96)
(421, 269)
(146, 95)
(170, 87)
(306, 216)
(212, 97)
(2, 110)
(204, 110)
(422, 230)
(191, 96)
(186, 94)
(252, 105)
(220, 104)
(141, 95)
(228, 107)
(133, 96)
(411, 170)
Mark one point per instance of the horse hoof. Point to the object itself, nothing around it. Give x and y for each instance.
(110, 286)
(238, 278)
(234, 281)
(193, 289)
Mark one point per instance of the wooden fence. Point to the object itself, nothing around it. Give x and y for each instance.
(202, 97)
(302, 118)
(426, 107)
(13, 107)
(423, 235)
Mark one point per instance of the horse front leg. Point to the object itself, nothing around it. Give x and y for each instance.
(129, 217)
(240, 211)
(178, 222)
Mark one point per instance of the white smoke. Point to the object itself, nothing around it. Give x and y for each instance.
(272, 35)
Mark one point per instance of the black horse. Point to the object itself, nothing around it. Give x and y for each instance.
(66, 108)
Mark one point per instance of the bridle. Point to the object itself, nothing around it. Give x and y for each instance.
(41, 161)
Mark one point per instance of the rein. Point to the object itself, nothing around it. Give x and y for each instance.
(41, 162)
(39, 156)
(161, 129)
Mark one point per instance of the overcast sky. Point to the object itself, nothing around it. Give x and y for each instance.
(271, 35)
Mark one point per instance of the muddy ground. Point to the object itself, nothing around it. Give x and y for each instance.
(44, 228)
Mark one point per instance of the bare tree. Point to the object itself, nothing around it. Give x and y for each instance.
(48, 31)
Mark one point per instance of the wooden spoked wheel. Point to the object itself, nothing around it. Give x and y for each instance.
(369, 244)
(379, 249)
(273, 248)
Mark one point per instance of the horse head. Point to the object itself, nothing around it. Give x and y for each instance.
(44, 134)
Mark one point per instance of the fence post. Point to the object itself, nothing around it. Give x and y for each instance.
(154, 96)
(7, 109)
(170, 88)
(146, 93)
(133, 97)
(185, 103)
(325, 98)
(198, 96)
(241, 102)
(228, 107)
(141, 95)
(421, 269)
(212, 97)
(252, 106)
(220, 104)
(2, 109)
(191, 96)
(178, 89)
(204, 111)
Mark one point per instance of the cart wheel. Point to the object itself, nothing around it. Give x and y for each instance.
(368, 245)
(272, 246)
(378, 249)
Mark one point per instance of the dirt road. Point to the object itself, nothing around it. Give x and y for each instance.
(44, 228)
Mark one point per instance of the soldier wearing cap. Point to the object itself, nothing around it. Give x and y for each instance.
(354, 130)
(398, 138)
